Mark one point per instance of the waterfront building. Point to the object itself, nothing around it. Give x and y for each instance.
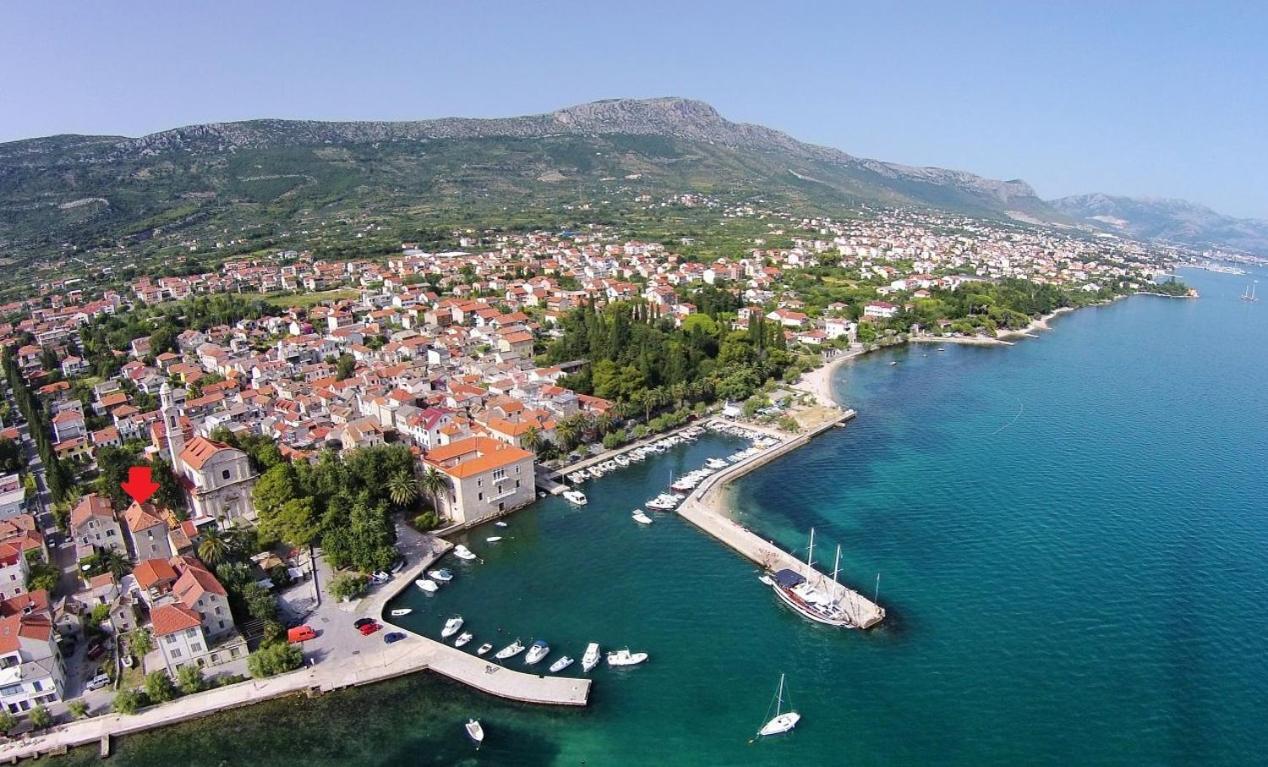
(487, 477)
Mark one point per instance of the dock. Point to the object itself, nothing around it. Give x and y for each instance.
(701, 509)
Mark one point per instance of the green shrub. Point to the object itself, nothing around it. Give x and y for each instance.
(274, 659)
(349, 586)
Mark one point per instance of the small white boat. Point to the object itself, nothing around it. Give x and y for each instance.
(783, 721)
(642, 518)
(398, 612)
(427, 585)
(575, 497)
(451, 627)
(591, 658)
(462, 552)
(442, 575)
(475, 731)
(716, 463)
(462, 639)
(493, 539)
(484, 648)
(766, 579)
(626, 658)
(538, 651)
(560, 664)
(500, 524)
(621, 461)
(510, 651)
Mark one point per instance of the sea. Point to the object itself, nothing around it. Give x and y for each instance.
(1069, 534)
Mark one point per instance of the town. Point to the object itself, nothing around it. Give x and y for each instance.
(306, 421)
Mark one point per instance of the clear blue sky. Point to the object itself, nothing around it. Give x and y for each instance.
(1161, 99)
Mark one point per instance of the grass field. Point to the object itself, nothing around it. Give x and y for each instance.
(303, 300)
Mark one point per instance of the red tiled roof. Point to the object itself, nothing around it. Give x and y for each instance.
(173, 617)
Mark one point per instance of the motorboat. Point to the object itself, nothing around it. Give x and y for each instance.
(462, 552)
(400, 611)
(716, 463)
(442, 575)
(451, 627)
(500, 523)
(462, 639)
(560, 664)
(766, 579)
(484, 648)
(621, 461)
(510, 651)
(474, 731)
(642, 518)
(493, 539)
(575, 497)
(626, 658)
(426, 585)
(783, 721)
(591, 658)
(538, 651)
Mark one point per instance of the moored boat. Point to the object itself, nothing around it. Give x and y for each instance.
(462, 639)
(642, 518)
(400, 611)
(591, 658)
(626, 658)
(575, 497)
(493, 539)
(442, 575)
(451, 627)
(510, 651)
(560, 664)
(462, 552)
(538, 651)
(426, 585)
(474, 731)
(484, 648)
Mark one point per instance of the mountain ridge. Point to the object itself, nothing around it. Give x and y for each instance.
(1166, 219)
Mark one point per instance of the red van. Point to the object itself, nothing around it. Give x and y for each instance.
(300, 634)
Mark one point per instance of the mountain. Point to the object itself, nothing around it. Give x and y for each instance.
(217, 178)
(1174, 221)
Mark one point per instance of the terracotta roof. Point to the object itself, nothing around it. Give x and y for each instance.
(16, 627)
(151, 573)
(196, 581)
(142, 517)
(173, 617)
(91, 505)
(474, 455)
(199, 450)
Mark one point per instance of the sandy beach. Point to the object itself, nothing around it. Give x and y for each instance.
(818, 382)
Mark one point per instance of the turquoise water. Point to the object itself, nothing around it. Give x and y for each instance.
(1070, 535)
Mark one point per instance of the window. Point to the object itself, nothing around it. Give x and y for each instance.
(480, 496)
(176, 653)
(195, 647)
(190, 632)
(171, 638)
(224, 474)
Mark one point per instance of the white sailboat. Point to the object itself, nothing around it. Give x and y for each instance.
(783, 721)
(1248, 295)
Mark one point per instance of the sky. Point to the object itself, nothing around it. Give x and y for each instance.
(1140, 98)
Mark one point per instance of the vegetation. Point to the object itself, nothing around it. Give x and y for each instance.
(78, 708)
(275, 659)
(59, 479)
(40, 717)
(348, 586)
(128, 701)
(190, 680)
(159, 687)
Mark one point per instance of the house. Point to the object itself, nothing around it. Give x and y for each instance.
(12, 496)
(191, 621)
(880, 310)
(147, 532)
(13, 570)
(93, 527)
(31, 671)
(486, 476)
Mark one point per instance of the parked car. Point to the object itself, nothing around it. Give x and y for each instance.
(393, 637)
(300, 634)
(363, 622)
(369, 628)
(97, 682)
(380, 577)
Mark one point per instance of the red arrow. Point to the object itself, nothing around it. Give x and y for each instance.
(139, 485)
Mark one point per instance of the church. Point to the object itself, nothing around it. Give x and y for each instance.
(216, 477)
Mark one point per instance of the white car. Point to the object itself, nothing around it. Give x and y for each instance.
(97, 682)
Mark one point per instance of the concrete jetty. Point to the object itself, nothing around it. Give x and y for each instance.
(701, 509)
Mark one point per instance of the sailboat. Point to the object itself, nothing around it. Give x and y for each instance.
(783, 721)
(809, 600)
(1248, 295)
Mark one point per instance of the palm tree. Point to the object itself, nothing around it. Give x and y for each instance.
(603, 423)
(116, 563)
(214, 548)
(403, 489)
(434, 483)
(567, 433)
(532, 439)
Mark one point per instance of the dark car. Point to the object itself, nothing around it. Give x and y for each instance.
(369, 628)
(96, 651)
(392, 637)
(360, 622)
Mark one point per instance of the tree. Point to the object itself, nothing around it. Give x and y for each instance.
(159, 687)
(77, 708)
(345, 367)
(532, 439)
(433, 483)
(402, 488)
(127, 701)
(140, 643)
(7, 721)
(214, 548)
(40, 717)
(260, 603)
(275, 659)
(274, 488)
(189, 679)
(295, 522)
(348, 586)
